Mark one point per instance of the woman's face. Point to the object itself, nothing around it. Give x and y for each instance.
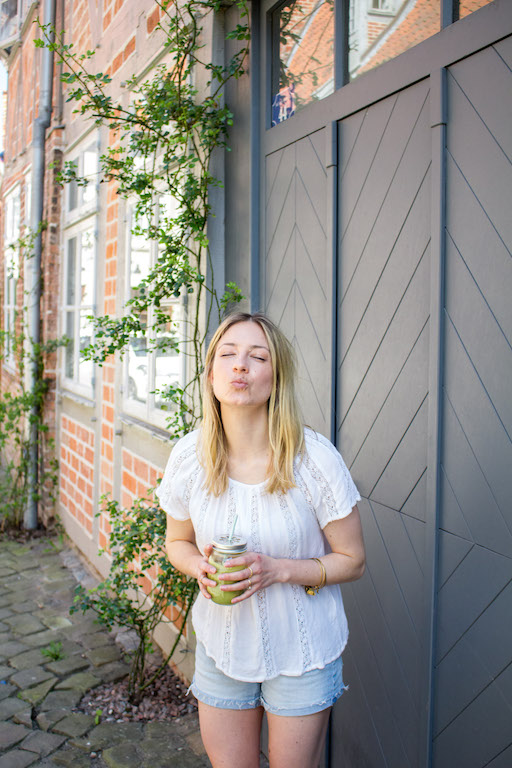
(242, 369)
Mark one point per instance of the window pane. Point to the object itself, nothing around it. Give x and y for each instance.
(70, 347)
(71, 272)
(16, 217)
(305, 36)
(168, 360)
(72, 195)
(90, 170)
(469, 6)
(87, 268)
(85, 368)
(383, 29)
(140, 256)
(138, 358)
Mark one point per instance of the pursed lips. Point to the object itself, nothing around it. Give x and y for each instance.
(239, 383)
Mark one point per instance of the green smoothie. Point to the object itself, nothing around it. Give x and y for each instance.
(218, 595)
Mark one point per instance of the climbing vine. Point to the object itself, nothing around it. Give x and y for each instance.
(163, 140)
(19, 408)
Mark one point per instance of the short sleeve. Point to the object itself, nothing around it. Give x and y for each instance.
(335, 491)
(181, 467)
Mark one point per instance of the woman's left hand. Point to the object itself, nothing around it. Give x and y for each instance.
(259, 571)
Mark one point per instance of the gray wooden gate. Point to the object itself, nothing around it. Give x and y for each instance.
(406, 177)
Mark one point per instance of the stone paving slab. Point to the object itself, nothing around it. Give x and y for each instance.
(74, 725)
(10, 706)
(43, 638)
(24, 624)
(42, 743)
(48, 719)
(81, 681)
(28, 659)
(11, 734)
(67, 665)
(103, 655)
(7, 690)
(5, 673)
(12, 648)
(17, 758)
(24, 717)
(27, 678)
(38, 693)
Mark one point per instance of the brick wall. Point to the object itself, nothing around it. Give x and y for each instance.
(76, 474)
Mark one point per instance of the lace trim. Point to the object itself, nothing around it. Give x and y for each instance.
(325, 488)
(201, 516)
(188, 489)
(304, 489)
(352, 493)
(298, 591)
(165, 490)
(270, 670)
(261, 595)
(231, 508)
(226, 653)
(292, 531)
(255, 543)
(298, 594)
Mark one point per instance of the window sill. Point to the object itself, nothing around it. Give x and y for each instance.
(76, 398)
(158, 432)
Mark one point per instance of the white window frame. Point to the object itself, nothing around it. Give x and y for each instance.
(87, 197)
(12, 232)
(75, 308)
(77, 220)
(148, 411)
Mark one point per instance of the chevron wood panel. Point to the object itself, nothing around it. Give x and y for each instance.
(298, 272)
(382, 408)
(474, 643)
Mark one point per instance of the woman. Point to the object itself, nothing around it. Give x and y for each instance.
(277, 646)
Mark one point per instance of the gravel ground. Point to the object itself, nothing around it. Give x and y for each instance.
(164, 699)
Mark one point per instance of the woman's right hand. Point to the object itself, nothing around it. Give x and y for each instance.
(204, 568)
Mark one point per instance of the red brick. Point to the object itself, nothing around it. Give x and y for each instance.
(152, 20)
(141, 469)
(142, 490)
(117, 63)
(129, 482)
(127, 460)
(129, 48)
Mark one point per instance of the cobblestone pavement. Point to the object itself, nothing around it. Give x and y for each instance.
(37, 725)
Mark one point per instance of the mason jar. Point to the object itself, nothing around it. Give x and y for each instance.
(224, 549)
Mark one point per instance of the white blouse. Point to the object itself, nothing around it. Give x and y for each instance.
(280, 629)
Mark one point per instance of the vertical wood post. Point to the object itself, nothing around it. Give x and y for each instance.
(438, 224)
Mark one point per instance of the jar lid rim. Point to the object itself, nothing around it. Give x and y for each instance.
(236, 544)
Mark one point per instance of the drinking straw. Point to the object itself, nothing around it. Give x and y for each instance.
(232, 529)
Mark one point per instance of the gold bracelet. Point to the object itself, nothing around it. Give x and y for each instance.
(313, 590)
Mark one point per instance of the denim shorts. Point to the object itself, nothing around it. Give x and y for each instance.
(305, 694)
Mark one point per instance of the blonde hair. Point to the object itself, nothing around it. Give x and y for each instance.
(286, 430)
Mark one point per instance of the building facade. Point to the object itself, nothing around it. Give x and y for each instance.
(365, 207)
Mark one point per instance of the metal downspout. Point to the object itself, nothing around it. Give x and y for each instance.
(255, 150)
(33, 264)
